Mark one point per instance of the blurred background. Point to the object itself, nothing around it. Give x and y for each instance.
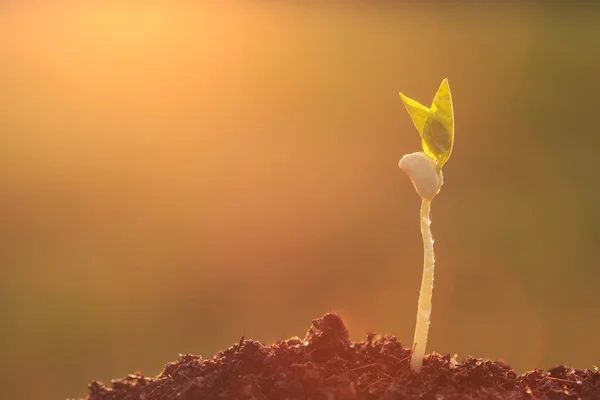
(175, 176)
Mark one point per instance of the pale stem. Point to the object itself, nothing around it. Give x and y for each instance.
(424, 310)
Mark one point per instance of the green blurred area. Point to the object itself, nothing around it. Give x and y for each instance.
(173, 177)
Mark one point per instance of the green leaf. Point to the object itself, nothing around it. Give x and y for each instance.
(435, 124)
(436, 141)
(417, 111)
(439, 130)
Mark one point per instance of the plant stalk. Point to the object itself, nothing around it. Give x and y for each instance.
(424, 309)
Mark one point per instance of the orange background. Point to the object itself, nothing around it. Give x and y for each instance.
(174, 176)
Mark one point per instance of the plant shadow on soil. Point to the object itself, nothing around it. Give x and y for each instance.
(327, 365)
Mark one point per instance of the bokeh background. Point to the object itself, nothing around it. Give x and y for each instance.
(174, 176)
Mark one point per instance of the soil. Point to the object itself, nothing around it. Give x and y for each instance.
(327, 365)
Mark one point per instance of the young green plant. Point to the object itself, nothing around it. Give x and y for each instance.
(436, 127)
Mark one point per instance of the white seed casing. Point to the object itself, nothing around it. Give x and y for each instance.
(422, 172)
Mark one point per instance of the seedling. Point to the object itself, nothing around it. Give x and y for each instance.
(436, 127)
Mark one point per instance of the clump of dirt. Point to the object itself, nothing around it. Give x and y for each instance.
(327, 365)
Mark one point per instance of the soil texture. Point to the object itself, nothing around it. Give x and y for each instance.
(327, 365)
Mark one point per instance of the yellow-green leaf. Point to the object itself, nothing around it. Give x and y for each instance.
(435, 124)
(439, 131)
(417, 111)
(436, 140)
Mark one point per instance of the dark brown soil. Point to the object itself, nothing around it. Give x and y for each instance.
(327, 365)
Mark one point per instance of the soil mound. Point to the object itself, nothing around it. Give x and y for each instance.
(327, 365)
